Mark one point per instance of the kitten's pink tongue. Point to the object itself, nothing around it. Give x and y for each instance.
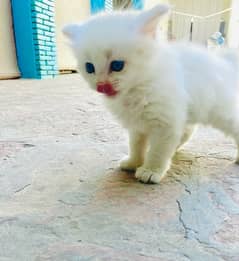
(106, 88)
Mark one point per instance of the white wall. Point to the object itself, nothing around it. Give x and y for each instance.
(150, 3)
(68, 11)
(202, 29)
(8, 63)
(233, 33)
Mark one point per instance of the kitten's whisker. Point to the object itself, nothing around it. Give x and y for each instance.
(116, 81)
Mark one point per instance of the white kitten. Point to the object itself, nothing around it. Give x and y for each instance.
(159, 91)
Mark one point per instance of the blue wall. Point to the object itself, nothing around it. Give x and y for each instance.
(34, 29)
(24, 38)
(99, 5)
(138, 4)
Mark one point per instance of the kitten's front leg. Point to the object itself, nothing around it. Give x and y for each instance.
(163, 143)
(137, 146)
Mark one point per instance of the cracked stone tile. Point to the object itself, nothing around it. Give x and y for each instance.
(63, 197)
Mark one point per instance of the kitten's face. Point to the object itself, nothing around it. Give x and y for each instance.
(112, 50)
(112, 68)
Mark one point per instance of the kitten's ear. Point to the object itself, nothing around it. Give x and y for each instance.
(72, 31)
(149, 19)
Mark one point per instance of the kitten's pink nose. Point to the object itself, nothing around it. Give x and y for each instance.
(106, 88)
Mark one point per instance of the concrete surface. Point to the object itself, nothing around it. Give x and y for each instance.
(62, 198)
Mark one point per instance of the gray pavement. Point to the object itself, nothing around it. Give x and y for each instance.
(63, 198)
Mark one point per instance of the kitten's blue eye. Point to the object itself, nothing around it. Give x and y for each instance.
(117, 66)
(90, 68)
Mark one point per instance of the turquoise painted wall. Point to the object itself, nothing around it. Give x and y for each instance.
(99, 5)
(138, 4)
(34, 29)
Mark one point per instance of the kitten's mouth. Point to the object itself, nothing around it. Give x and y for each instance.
(106, 88)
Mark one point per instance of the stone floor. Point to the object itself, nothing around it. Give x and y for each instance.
(62, 197)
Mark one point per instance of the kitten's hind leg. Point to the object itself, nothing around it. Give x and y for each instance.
(186, 135)
(137, 147)
(237, 159)
(230, 126)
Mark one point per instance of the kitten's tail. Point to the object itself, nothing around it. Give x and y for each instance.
(232, 56)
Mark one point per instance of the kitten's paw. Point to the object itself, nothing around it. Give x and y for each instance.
(149, 176)
(129, 164)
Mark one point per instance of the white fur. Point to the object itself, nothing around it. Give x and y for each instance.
(164, 89)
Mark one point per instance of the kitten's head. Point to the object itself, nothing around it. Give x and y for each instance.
(113, 50)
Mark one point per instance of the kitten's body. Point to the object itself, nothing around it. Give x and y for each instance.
(163, 90)
(202, 86)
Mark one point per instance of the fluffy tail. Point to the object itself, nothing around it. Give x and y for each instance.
(232, 56)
